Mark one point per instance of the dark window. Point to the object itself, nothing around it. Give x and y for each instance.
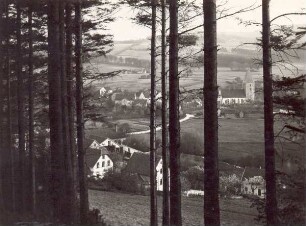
(161, 170)
(259, 192)
(103, 156)
(102, 164)
(98, 165)
(108, 163)
(161, 181)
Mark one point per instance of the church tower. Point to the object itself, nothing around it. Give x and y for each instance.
(249, 86)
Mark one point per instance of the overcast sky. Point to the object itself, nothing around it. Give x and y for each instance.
(124, 29)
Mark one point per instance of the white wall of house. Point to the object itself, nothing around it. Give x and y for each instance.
(103, 165)
(253, 189)
(109, 142)
(129, 149)
(228, 101)
(159, 176)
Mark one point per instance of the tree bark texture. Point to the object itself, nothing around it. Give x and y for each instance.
(55, 114)
(21, 169)
(84, 205)
(165, 157)
(153, 198)
(174, 124)
(32, 199)
(211, 172)
(270, 176)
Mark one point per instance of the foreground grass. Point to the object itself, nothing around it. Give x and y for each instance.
(126, 209)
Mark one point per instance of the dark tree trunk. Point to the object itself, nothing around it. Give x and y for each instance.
(21, 121)
(55, 114)
(153, 121)
(174, 123)
(70, 94)
(165, 157)
(84, 205)
(12, 182)
(211, 172)
(271, 203)
(69, 186)
(2, 148)
(32, 199)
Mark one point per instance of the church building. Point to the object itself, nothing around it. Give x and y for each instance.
(234, 95)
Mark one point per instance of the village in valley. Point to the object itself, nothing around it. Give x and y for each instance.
(109, 157)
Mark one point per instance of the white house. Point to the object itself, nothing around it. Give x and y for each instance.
(119, 147)
(98, 162)
(110, 142)
(139, 164)
(253, 182)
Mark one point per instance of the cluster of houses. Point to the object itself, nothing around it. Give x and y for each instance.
(137, 163)
(240, 93)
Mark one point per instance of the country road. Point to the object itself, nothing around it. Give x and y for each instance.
(187, 117)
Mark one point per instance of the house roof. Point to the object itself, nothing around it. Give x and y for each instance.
(233, 93)
(93, 155)
(250, 172)
(88, 142)
(140, 163)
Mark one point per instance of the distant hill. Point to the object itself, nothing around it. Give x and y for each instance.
(233, 52)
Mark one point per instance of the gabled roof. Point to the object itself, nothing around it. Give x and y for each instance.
(233, 93)
(93, 155)
(88, 142)
(140, 163)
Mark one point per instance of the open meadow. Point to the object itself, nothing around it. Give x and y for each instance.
(120, 209)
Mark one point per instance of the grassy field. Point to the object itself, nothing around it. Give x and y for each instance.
(126, 209)
(237, 137)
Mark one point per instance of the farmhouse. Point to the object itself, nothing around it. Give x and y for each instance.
(139, 165)
(98, 162)
(117, 146)
(110, 142)
(253, 182)
(241, 95)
